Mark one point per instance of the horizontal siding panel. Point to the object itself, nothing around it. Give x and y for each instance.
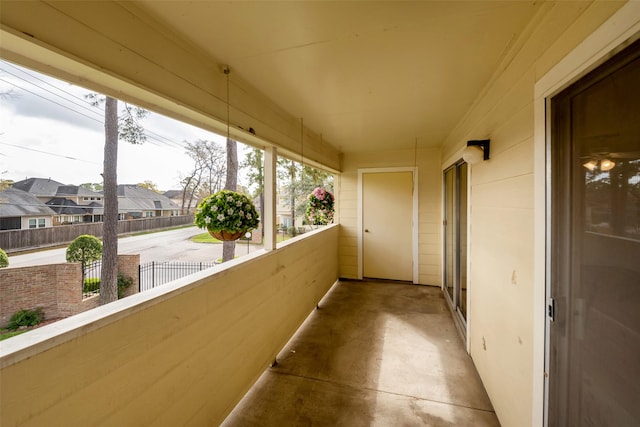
(224, 328)
(514, 192)
(510, 164)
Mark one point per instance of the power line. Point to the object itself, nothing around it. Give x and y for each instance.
(51, 100)
(34, 76)
(153, 140)
(85, 107)
(152, 136)
(48, 153)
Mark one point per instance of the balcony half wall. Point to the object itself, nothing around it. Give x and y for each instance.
(181, 354)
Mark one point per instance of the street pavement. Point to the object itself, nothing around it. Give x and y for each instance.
(172, 245)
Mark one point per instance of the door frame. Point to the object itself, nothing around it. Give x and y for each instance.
(414, 217)
(619, 31)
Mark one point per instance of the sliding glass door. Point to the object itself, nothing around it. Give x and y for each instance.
(455, 238)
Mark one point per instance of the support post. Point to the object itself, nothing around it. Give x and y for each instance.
(269, 220)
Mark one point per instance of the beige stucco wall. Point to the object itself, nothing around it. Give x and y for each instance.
(180, 354)
(427, 162)
(503, 340)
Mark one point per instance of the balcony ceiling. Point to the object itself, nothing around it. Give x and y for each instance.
(365, 75)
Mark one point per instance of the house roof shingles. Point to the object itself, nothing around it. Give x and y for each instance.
(133, 198)
(64, 206)
(74, 190)
(15, 202)
(39, 186)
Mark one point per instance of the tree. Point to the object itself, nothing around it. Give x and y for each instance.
(287, 172)
(125, 127)
(189, 185)
(108, 276)
(299, 181)
(84, 249)
(208, 171)
(93, 186)
(229, 247)
(254, 164)
(5, 183)
(215, 163)
(4, 259)
(149, 185)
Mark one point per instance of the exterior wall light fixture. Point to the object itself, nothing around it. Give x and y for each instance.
(476, 151)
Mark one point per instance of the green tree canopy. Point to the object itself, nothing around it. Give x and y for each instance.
(84, 249)
(149, 185)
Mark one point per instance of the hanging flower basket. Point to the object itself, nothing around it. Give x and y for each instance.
(320, 207)
(226, 235)
(227, 215)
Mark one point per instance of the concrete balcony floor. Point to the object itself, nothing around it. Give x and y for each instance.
(373, 354)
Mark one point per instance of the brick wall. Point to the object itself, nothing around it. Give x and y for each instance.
(129, 266)
(54, 287)
(37, 286)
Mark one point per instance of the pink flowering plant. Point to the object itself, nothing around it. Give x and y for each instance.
(227, 210)
(320, 207)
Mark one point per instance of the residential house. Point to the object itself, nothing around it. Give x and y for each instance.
(138, 202)
(185, 200)
(393, 97)
(21, 210)
(42, 188)
(72, 204)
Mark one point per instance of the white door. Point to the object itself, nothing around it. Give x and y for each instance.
(387, 206)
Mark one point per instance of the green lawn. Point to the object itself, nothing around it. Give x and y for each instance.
(207, 238)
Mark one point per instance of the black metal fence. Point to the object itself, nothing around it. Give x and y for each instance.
(151, 274)
(154, 274)
(91, 279)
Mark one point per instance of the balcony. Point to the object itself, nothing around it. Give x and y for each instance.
(374, 353)
(181, 354)
(186, 353)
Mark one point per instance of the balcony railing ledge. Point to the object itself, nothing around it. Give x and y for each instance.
(26, 345)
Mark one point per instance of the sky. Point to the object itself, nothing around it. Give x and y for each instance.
(49, 130)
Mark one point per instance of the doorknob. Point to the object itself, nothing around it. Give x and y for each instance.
(366, 230)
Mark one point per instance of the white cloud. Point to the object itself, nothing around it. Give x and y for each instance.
(42, 135)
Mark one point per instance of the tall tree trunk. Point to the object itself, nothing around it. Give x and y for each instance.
(109, 274)
(229, 247)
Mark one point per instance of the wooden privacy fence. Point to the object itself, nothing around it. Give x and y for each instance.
(14, 240)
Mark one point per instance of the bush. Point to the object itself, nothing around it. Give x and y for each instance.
(91, 285)
(4, 259)
(124, 283)
(25, 318)
(85, 249)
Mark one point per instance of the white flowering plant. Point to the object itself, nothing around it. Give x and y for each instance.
(320, 207)
(227, 211)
